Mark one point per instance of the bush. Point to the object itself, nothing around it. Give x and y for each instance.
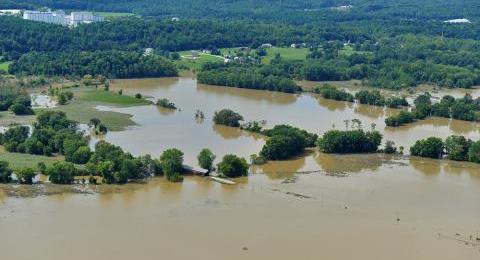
(172, 162)
(257, 160)
(138, 96)
(353, 141)
(227, 117)
(26, 175)
(232, 166)
(280, 147)
(474, 152)
(330, 92)
(423, 99)
(61, 173)
(456, 147)
(373, 98)
(175, 177)
(165, 103)
(404, 117)
(390, 147)
(431, 147)
(81, 155)
(395, 102)
(21, 110)
(205, 159)
(5, 172)
(310, 139)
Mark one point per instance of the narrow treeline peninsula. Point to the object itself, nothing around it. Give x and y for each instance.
(252, 77)
(112, 64)
(465, 108)
(374, 97)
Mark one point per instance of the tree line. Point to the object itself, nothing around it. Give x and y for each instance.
(465, 108)
(113, 64)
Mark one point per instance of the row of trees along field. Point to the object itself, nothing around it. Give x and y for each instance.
(114, 64)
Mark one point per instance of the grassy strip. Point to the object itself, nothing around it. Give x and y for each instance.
(111, 98)
(8, 118)
(287, 53)
(20, 160)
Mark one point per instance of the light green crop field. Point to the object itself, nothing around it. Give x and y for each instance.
(101, 96)
(196, 63)
(19, 160)
(287, 53)
(4, 65)
(348, 50)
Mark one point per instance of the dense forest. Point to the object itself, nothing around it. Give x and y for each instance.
(384, 43)
(114, 64)
(287, 11)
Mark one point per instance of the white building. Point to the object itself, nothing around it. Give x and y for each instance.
(59, 17)
(77, 18)
(458, 21)
(47, 17)
(10, 12)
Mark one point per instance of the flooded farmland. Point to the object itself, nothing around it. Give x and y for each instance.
(317, 206)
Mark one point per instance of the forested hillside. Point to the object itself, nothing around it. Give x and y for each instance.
(384, 43)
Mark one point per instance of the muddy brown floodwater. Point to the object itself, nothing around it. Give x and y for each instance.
(334, 207)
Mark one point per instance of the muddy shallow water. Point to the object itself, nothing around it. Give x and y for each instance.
(334, 207)
(162, 128)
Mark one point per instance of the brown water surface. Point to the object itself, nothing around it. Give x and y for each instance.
(317, 206)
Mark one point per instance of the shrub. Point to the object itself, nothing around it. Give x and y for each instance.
(474, 152)
(21, 110)
(431, 147)
(370, 97)
(390, 147)
(232, 166)
(165, 103)
(330, 92)
(227, 117)
(61, 172)
(172, 162)
(81, 155)
(395, 102)
(25, 175)
(205, 159)
(5, 172)
(283, 146)
(456, 147)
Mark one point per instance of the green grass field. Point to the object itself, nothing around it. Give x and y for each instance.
(286, 53)
(4, 65)
(20, 160)
(348, 50)
(82, 109)
(196, 64)
(108, 97)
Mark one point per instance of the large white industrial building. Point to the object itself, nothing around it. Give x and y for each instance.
(59, 17)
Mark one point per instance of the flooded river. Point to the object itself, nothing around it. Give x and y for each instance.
(338, 207)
